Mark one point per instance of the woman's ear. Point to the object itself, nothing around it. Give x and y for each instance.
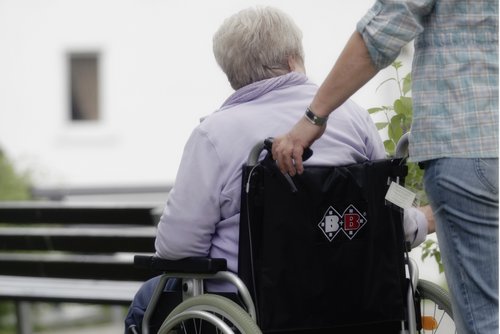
(296, 65)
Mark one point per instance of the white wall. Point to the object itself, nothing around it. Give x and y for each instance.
(158, 78)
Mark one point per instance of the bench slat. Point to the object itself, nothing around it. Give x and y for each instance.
(67, 290)
(87, 240)
(53, 213)
(98, 267)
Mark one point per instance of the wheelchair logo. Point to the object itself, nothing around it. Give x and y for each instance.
(349, 222)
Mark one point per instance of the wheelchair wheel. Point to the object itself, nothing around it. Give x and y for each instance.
(209, 313)
(435, 308)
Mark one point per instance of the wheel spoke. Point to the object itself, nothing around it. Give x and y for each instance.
(435, 306)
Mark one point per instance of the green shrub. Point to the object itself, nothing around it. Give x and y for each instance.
(398, 117)
(13, 186)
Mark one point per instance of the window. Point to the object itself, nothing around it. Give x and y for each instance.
(84, 86)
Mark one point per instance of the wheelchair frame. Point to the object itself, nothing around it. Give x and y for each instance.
(204, 306)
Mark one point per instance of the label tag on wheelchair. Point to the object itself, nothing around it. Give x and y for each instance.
(400, 196)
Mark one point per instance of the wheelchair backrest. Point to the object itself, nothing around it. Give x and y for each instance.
(330, 254)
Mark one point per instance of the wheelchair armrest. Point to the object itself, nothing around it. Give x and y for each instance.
(200, 265)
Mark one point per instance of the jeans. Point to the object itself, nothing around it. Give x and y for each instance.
(141, 300)
(464, 197)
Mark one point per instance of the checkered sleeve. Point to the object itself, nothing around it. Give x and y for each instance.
(391, 24)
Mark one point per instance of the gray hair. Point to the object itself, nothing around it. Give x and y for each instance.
(255, 44)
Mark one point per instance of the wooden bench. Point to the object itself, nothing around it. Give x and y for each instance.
(57, 252)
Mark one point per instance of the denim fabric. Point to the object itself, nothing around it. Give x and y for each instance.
(464, 196)
(140, 303)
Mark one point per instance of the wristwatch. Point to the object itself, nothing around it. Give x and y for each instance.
(316, 120)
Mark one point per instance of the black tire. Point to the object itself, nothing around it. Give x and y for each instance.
(435, 303)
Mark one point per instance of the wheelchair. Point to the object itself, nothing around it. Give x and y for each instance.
(322, 252)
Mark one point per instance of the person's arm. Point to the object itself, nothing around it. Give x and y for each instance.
(189, 219)
(418, 223)
(351, 71)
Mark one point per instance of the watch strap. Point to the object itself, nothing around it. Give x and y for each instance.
(316, 120)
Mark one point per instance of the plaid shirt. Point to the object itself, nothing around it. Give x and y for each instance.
(454, 72)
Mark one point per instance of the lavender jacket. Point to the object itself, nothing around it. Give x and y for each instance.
(202, 213)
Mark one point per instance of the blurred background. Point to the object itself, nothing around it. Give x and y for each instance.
(103, 94)
(106, 92)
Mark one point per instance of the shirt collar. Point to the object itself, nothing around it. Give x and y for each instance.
(257, 89)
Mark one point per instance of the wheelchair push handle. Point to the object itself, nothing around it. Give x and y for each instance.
(402, 146)
(268, 144)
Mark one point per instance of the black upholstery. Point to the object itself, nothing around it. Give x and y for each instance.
(304, 270)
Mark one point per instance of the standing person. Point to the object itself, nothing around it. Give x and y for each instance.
(454, 132)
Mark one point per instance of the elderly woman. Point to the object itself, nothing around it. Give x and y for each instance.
(260, 51)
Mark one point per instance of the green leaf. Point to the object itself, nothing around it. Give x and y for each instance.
(381, 125)
(397, 64)
(407, 83)
(398, 107)
(430, 248)
(407, 102)
(408, 105)
(374, 110)
(403, 107)
(390, 147)
(395, 131)
(406, 123)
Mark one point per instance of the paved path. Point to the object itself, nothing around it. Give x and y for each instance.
(99, 329)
